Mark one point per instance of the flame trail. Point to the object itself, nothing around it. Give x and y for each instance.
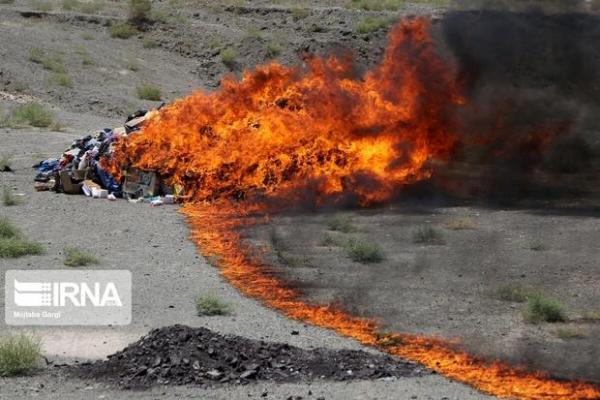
(214, 230)
(281, 132)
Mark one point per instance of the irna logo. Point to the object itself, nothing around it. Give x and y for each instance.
(62, 297)
(61, 294)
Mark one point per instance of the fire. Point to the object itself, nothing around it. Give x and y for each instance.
(280, 132)
(280, 129)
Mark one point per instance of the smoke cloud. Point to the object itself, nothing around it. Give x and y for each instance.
(532, 81)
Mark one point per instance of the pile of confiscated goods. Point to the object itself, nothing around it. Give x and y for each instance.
(78, 170)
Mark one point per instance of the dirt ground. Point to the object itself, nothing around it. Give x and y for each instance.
(189, 39)
(450, 288)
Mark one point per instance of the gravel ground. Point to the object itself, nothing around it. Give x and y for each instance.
(55, 386)
(450, 287)
(153, 242)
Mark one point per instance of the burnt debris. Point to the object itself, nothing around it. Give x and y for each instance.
(180, 355)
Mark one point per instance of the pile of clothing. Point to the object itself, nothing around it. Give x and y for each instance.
(78, 169)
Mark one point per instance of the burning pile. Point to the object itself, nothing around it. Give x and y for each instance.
(281, 129)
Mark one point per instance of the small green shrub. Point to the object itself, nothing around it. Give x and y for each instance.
(512, 293)
(88, 36)
(55, 64)
(75, 257)
(8, 230)
(364, 252)
(300, 13)
(592, 315)
(341, 223)
(228, 57)
(122, 31)
(541, 308)
(427, 235)
(36, 55)
(149, 43)
(63, 80)
(159, 16)
(272, 49)
(537, 245)
(211, 305)
(133, 65)
(253, 32)
(12, 245)
(5, 163)
(8, 199)
(81, 50)
(330, 240)
(16, 247)
(148, 92)
(32, 114)
(570, 333)
(370, 24)
(139, 10)
(215, 43)
(19, 354)
(52, 63)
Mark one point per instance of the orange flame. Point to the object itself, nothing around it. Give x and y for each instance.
(282, 130)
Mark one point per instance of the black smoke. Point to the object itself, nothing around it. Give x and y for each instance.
(532, 84)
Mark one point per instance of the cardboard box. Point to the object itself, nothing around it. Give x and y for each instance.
(120, 131)
(89, 186)
(99, 193)
(69, 186)
(135, 124)
(80, 174)
(140, 183)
